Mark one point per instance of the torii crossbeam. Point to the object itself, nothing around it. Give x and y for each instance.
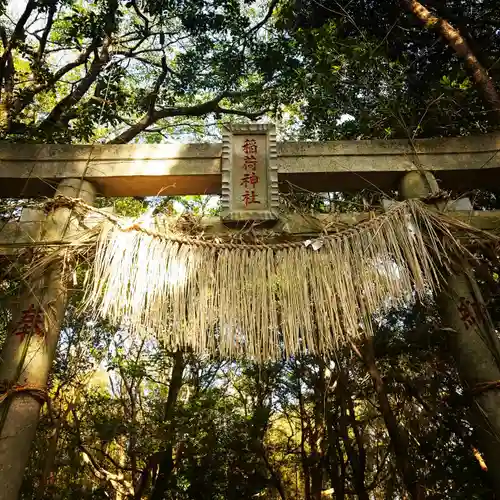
(26, 171)
(466, 163)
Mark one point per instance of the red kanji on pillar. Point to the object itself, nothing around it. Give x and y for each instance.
(31, 323)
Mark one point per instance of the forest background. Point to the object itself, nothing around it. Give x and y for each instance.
(131, 419)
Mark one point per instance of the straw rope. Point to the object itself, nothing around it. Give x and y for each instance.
(413, 206)
(261, 299)
(266, 300)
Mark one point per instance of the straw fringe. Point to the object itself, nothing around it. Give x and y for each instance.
(266, 301)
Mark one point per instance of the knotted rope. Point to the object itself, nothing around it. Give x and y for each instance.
(485, 386)
(409, 206)
(9, 389)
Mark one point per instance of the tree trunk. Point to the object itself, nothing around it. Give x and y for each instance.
(355, 459)
(317, 438)
(50, 457)
(455, 40)
(303, 453)
(336, 457)
(162, 482)
(30, 347)
(399, 438)
(274, 475)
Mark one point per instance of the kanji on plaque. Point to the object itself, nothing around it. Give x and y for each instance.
(250, 179)
(249, 197)
(250, 147)
(31, 323)
(250, 163)
(249, 173)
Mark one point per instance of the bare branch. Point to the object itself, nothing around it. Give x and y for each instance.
(46, 31)
(129, 54)
(212, 106)
(81, 89)
(153, 96)
(455, 40)
(16, 35)
(141, 15)
(8, 78)
(117, 481)
(259, 25)
(134, 37)
(143, 60)
(26, 97)
(252, 115)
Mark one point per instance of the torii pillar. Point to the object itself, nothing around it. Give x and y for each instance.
(31, 343)
(474, 341)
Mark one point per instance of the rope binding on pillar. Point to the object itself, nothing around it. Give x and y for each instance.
(8, 389)
(481, 387)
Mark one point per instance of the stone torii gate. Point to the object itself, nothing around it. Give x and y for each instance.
(248, 170)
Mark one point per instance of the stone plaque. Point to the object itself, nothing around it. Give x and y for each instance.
(249, 173)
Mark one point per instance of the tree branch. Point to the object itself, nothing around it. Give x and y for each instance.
(27, 96)
(455, 40)
(16, 35)
(141, 15)
(152, 462)
(202, 109)
(259, 25)
(398, 435)
(46, 31)
(8, 88)
(129, 54)
(117, 481)
(65, 104)
(153, 96)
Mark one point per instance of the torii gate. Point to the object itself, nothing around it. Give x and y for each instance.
(148, 170)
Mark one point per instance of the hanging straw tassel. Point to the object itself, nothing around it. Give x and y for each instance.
(266, 301)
